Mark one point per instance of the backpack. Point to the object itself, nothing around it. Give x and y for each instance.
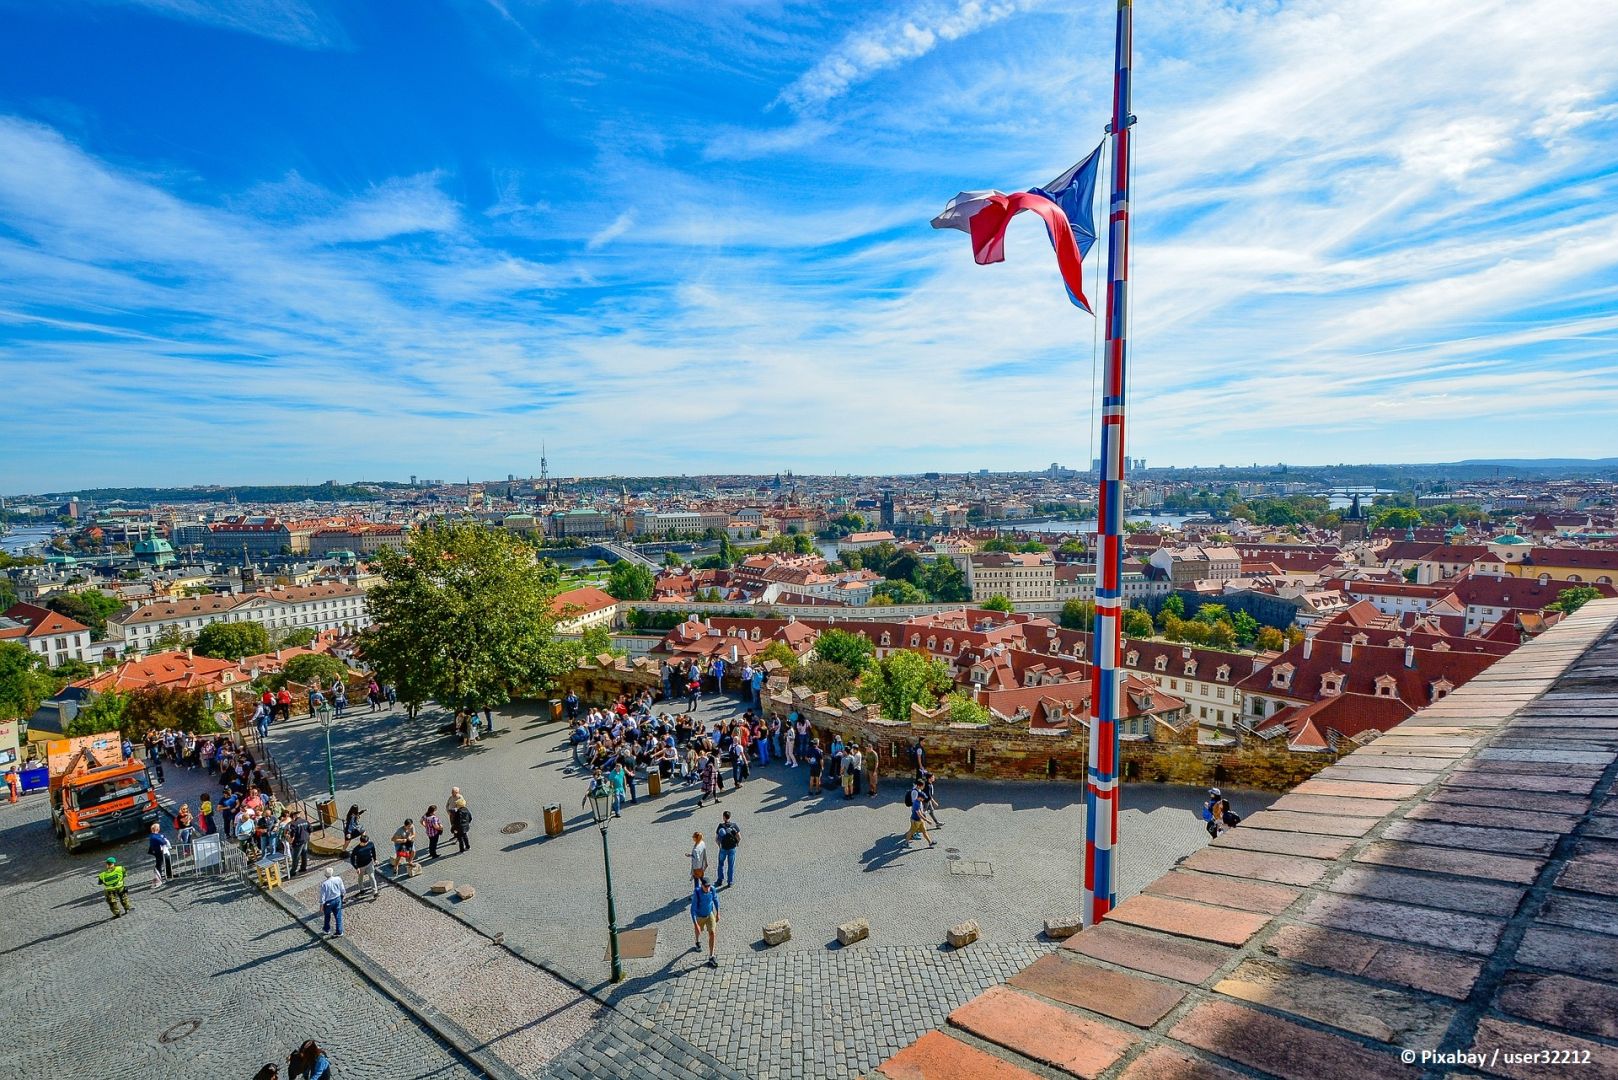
(1207, 810)
(463, 817)
(730, 836)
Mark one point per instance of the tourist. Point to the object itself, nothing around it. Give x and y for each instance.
(704, 916)
(268, 1071)
(205, 820)
(929, 789)
(1217, 814)
(261, 720)
(811, 761)
(309, 1061)
(460, 820)
(618, 781)
(872, 760)
(373, 694)
(298, 833)
(630, 760)
(853, 766)
(916, 800)
(112, 886)
(283, 701)
(918, 757)
(184, 826)
(570, 706)
(162, 853)
(729, 835)
(709, 771)
(699, 857)
(404, 846)
(434, 828)
(693, 689)
(758, 688)
(363, 859)
(331, 901)
(392, 694)
(351, 824)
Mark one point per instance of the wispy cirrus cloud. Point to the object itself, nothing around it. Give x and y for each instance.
(891, 41)
(288, 22)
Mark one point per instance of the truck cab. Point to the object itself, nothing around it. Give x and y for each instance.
(97, 794)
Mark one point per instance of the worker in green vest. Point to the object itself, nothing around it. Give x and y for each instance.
(112, 883)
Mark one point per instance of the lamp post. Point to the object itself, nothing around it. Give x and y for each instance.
(331, 774)
(600, 800)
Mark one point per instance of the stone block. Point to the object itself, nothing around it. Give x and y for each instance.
(776, 933)
(465, 892)
(961, 935)
(1063, 927)
(850, 932)
(415, 869)
(442, 887)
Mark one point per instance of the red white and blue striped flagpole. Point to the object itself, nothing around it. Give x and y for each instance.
(1101, 781)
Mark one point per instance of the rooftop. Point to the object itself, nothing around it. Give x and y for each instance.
(1452, 887)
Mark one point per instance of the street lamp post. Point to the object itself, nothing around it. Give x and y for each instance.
(331, 773)
(600, 800)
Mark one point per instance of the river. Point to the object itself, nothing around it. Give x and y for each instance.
(18, 541)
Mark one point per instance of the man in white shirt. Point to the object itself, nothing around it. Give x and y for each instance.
(331, 901)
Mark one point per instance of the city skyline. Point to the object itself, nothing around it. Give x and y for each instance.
(665, 238)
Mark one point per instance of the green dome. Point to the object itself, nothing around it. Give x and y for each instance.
(1509, 538)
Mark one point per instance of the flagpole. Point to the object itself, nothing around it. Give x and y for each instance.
(1101, 780)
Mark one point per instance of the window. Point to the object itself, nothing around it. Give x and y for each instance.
(1132, 659)
(1222, 675)
(1160, 664)
(887, 638)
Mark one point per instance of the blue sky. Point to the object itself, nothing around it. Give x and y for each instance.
(292, 240)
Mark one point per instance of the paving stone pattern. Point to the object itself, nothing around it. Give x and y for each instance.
(204, 979)
(803, 1008)
(1485, 942)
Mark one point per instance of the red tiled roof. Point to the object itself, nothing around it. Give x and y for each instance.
(39, 622)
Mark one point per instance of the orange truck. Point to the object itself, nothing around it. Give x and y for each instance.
(97, 794)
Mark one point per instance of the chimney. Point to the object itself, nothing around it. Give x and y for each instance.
(1348, 652)
(1308, 643)
(1410, 656)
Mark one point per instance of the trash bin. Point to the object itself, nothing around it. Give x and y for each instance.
(654, 784)
(328, 812)
(553, 820)
(556, 710)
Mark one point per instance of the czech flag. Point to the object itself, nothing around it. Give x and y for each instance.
(1066, 204)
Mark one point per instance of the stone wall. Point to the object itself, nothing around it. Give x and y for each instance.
(998, 750)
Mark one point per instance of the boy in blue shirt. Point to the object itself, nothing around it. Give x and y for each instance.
(704, 916)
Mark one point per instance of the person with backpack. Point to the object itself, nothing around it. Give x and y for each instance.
(916, 800)
(363, 859)
(1217, 815)
(460, 820)
(811, 762)
(729, 835)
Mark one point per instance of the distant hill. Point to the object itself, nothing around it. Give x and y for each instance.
(252, 493)
(1543, 463)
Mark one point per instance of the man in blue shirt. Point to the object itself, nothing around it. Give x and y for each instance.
(704, 916)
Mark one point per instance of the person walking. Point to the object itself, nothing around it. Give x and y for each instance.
(460, 820)
(331, 901)
(283, 701)
(298, 833)
(363, 858)
(205, 819)
(434, 828)
(708, 768)
(404, 846)
(705, 916)
(811, 762)
(729, 835)
(162, 852)
(699, 857)
(616, 778)
(112, 886)
(929, 789)
(916, 800)
(14, 784)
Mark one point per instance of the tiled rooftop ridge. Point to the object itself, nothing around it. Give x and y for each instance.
(1450, 888)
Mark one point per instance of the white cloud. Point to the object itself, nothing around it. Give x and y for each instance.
(290, 22)
(611, 231)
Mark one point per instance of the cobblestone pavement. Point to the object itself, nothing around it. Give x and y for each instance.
(203, 979)
(804, 1009)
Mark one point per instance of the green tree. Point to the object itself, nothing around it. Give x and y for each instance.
(780, 652)
(630, 581)
(1078, 615)
(1269, 639)
(671, 560)
(896, 592)
(964, 710)
(90, 607)
(1221, 636)
(232, 640)
(904, 678)
(317, 669)
(999, 602)
(296, 638)
(168, 707)
(1137, 623)
(824, 676)
(877, 557)
(68, 670)
(1212, 613)
(595, 641)
(1173, 606)
(24, 682)
(104, 712)
(904, 566)
(1571, 600)
(851, 651)
(1395, 517)
(463, 616)
(170, 637)
(944, 581)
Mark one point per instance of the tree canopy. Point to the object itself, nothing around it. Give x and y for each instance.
(463, 617)
(1078, 614)
(964, 710)
(1572, 599)
(851, 651)
(904, 678)
(313, 669)
(232, 640)
(24, 682)
(999, 602)
(90, 607)
(630, 581)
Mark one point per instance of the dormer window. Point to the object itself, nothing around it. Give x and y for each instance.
(915, 641)
(1132, 659)
(949, 645)
(1331, 683)
(1281, 677)
(1161, 663)
(932, 643)
(1191, 668)
(1385, 686)
(1222, 674)
(887, 638)
(1441, 689)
